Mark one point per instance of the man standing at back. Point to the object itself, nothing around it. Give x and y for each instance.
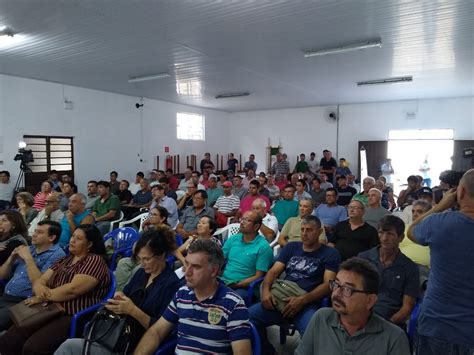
(447, 315)
(328, 165)
(6, 190)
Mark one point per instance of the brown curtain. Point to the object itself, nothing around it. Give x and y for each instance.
(376, 152)
(459, 162)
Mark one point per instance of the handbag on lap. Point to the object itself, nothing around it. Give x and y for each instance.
(28, 319)
(108, 329)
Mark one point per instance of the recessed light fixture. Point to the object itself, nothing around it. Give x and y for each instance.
(140, 78)
(400, 79)
(7, 31)
(343, 49)
(230, 95)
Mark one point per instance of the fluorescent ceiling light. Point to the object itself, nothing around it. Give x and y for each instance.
(343, 49)
(236, 94)
(400, 79)
(140, 78)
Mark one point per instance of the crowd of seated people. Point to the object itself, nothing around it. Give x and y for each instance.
(333, 235)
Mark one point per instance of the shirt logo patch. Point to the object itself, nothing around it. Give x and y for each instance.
(214, 315)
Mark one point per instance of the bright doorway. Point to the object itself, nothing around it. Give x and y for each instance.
(408, 149)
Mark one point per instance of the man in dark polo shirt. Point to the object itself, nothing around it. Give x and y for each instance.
(354, 236)
(328, 165)
(106, 207)
(344, 191)
(399, 276)
(188, 222)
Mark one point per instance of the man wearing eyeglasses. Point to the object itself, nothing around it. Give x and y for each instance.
(50, 213)
(354, 235)
(350, 326)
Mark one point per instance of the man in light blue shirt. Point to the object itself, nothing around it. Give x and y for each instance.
(26, 264)
(330, 213)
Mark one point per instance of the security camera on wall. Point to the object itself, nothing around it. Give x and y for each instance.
(332, 116)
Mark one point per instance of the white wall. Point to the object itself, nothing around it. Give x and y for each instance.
(307, 129)
(105, 126)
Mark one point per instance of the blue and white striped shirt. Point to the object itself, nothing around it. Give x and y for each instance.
(208, 326)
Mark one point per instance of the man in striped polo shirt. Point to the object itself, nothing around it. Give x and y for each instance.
(209, 316)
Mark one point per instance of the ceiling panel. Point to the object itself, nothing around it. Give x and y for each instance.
(212, 47)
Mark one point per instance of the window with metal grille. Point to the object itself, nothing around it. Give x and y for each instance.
(190, 126)
(50, 153)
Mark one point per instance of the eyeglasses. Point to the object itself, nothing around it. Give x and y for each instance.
(347, 291)
(354, 208)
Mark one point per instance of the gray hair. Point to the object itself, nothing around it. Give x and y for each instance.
(82, 197)
(310, 200)
(213, 251)
(425, 205)
(369, 178)
(261, 202)
(467, 181)
(377, 191)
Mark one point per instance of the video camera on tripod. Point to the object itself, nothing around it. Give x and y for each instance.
(24, 156)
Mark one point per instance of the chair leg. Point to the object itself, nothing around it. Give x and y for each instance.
(283, 332)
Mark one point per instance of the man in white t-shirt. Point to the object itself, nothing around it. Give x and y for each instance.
(269, 227)
(313, 164)
(6, 190)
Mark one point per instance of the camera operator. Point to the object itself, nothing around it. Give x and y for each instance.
(447, 316)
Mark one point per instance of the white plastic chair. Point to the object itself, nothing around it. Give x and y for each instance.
(112, 223)
(227, 231)
(142, 217)
(275, 246)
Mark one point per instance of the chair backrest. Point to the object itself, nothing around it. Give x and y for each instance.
(256, 345)
(73, 330)
(227, 231)
(123, 240)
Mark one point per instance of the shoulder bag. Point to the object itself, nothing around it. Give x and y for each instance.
(108, 329)
(282, 289)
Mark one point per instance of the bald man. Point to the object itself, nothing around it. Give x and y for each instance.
(447, 315)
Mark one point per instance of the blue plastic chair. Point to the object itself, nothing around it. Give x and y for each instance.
(169, 345)
(123, 240)
(89, 310)
(170, 259)
(413, 322)
(251, 290)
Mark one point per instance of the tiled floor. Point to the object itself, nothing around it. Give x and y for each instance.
(290, 345)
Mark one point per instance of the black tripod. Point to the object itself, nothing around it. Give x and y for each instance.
(20, 182)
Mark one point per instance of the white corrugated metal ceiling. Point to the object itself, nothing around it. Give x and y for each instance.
(213, 47)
